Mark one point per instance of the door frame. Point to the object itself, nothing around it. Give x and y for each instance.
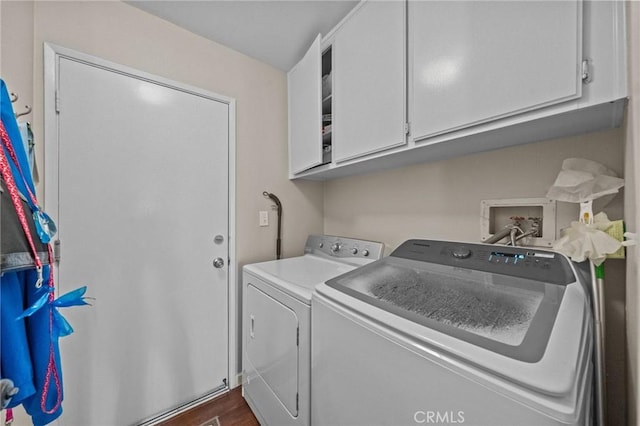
(52, 55)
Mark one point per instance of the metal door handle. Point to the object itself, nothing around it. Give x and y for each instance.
(218, 262)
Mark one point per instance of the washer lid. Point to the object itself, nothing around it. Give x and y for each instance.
(297, 276)
(506, 314)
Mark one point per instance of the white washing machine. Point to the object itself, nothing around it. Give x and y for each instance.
(277, 324)
(452, 333)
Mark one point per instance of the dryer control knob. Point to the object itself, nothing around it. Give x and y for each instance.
(335, 247)
(354, 250)
(365, 253)
(461, 253)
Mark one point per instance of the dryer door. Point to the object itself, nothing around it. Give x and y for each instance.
(272, 345)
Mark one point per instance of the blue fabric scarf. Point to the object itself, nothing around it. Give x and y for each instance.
(26, 339)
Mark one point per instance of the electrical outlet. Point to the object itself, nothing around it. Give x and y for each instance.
(264, 218)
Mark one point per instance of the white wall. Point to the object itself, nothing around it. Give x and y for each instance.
(16, 47)
(442, 199)
(632, 215)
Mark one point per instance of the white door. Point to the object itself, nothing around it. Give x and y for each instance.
(142, 193)
(477, 61)
(305, 111)
(369, 80)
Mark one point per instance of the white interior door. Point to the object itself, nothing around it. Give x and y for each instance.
(142, 191)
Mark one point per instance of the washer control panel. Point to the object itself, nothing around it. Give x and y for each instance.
(522, 262)
(344, 248)
(534, 259)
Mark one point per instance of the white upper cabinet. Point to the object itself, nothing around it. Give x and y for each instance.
(369, 80)
(478, 61)
(305, 111)
(462, 76)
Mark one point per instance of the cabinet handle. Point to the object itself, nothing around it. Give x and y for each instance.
(252, 326)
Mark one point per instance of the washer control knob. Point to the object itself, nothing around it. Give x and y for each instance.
(335, 247)
(365, 252)
(461, 253)
(354, 250)
(321, 245)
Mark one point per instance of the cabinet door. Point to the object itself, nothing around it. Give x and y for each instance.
(305, 113)
(369, 80)
(477, 61)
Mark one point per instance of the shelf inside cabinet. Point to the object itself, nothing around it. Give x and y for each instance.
(326, 105)
(326, 138)
(327, 100)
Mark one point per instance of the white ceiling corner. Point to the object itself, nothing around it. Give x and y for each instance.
(276, 32)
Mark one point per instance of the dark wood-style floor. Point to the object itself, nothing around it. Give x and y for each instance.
(231, 409)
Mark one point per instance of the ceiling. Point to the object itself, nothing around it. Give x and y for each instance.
(277, 32)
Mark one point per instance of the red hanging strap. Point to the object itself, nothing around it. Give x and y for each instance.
(8, 417)
(6, 141)
(7, 175)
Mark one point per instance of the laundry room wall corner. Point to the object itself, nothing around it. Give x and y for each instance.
(16, 52)
(632, 215)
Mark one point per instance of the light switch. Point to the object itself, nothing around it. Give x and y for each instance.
(264, 218)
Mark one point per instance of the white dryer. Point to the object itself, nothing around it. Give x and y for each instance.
(277, 324)
(452, 333)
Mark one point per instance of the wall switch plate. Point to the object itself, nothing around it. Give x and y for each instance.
(496, 214)
(264, 218)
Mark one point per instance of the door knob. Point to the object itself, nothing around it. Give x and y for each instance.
(218, 262)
